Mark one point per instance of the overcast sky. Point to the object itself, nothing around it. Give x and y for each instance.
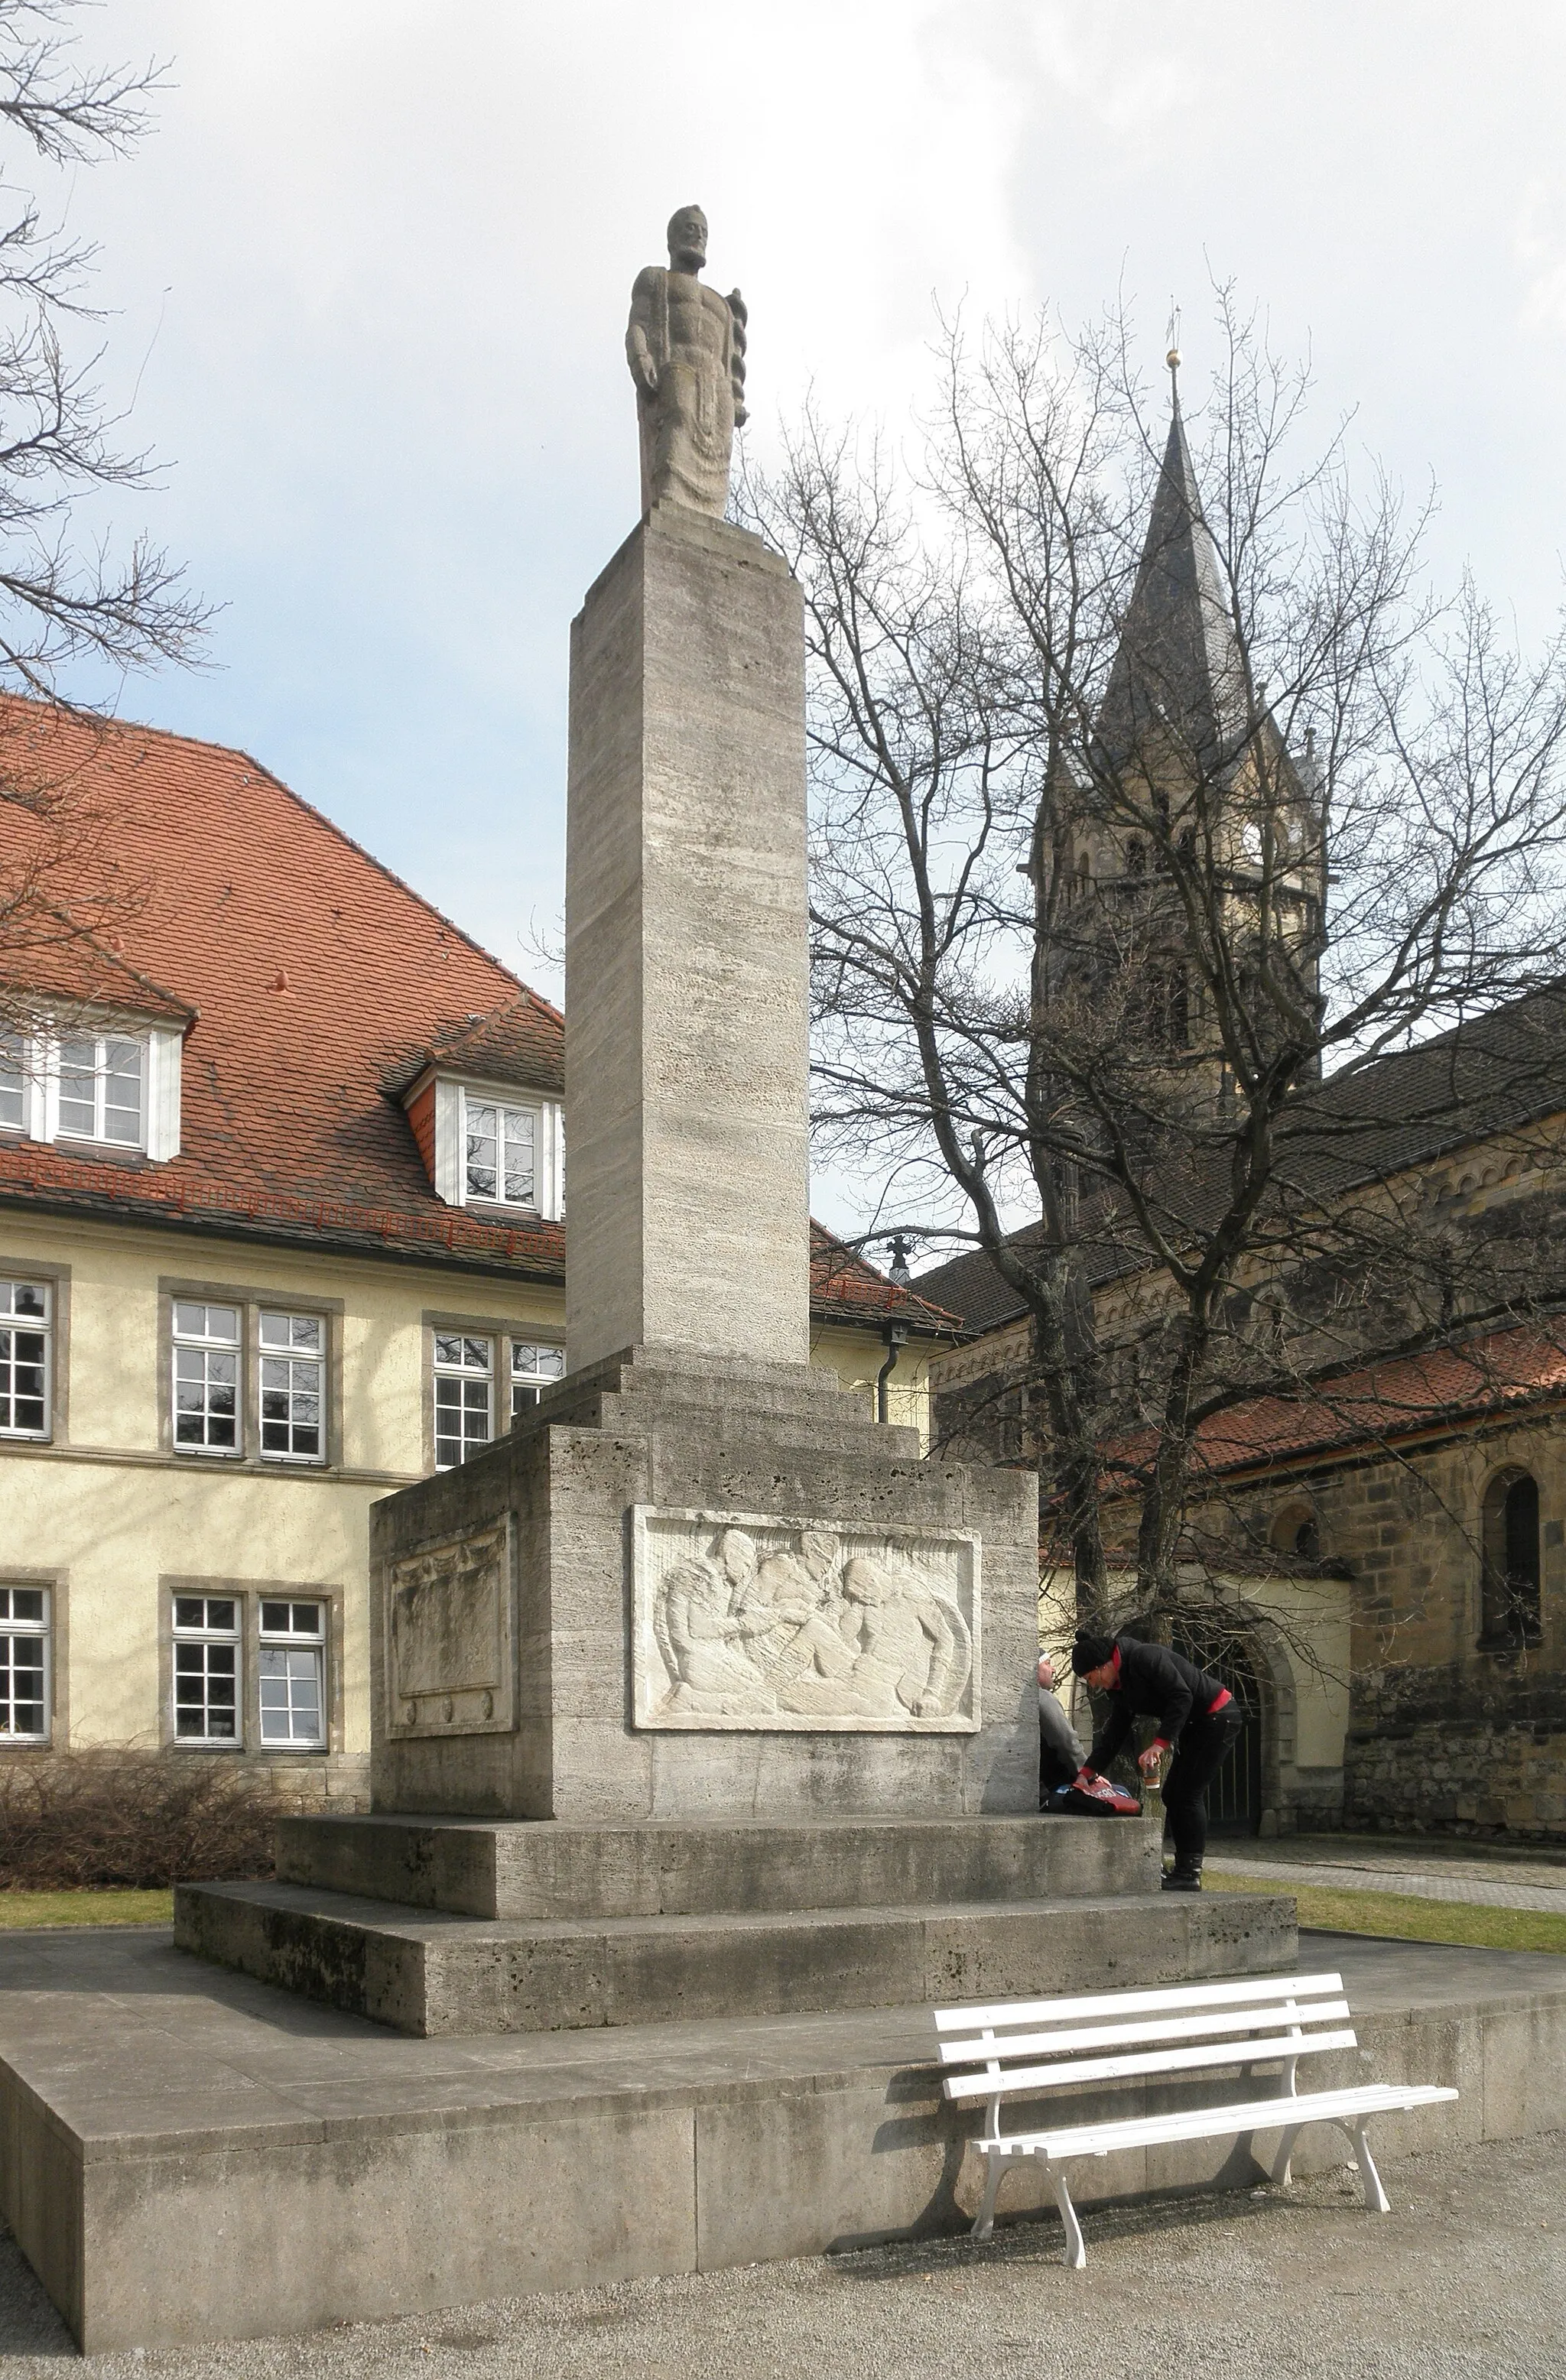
(370, 278)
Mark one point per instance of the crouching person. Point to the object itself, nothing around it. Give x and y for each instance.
(1198, 1721)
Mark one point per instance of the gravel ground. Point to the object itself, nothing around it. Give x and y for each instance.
(1464, 2280)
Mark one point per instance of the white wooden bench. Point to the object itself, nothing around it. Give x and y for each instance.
(1027, 2048)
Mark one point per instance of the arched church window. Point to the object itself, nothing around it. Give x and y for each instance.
(1136, 857)
(1510, 1598)
(1296, 1530)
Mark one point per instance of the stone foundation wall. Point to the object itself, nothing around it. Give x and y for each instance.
(1488, 1780)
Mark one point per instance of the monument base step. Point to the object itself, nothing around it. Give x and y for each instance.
(545, 1868)
(429, 1973)
(192, 2156)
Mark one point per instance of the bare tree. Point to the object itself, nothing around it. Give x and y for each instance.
(67, 599)
(1163, 817)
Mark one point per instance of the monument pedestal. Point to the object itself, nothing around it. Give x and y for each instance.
(690, 1589)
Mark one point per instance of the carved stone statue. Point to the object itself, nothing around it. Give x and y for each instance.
(686, 347)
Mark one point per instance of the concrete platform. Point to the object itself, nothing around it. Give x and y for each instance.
(185, 2153)
(430, 1973)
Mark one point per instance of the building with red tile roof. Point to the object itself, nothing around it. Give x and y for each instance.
(281, 1228)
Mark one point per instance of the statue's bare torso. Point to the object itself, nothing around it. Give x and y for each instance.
(686, 347)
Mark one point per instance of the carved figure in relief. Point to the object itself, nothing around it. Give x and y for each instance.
(796, 1638)
(913, 1649)
(701, 1640)
(686, 347)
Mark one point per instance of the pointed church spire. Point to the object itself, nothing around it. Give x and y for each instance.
(1179, 668)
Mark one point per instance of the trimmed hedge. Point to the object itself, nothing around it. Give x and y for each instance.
(131, 1818)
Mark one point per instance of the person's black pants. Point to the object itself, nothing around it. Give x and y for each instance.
(1199, 1756)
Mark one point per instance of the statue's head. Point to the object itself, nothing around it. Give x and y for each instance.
(737, 1554)
(863, 1582)
(688, 239)
(819, 1552)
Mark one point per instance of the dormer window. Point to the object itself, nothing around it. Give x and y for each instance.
(110, 1086)
(100, 1079)
(489, 1146)
(501, 1153)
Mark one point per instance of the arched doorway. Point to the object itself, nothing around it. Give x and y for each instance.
(1235, 1797)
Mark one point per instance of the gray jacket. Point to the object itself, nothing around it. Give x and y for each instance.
(1057, 1731)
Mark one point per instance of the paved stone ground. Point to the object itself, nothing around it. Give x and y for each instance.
(1464, 2280)
(1433, 1872)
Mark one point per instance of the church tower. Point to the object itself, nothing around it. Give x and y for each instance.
(1187, 833)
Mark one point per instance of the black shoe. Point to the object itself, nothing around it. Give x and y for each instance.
(1183, 1880)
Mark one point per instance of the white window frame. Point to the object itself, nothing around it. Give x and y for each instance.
(297, 1359)
(464, 1372)
(160, 1048)
(41, 1632)
(210, 1345)
(504, 1113)
(209, 1638)
(21, 1044)
(289, 1636)
(9, 1323)
(452, 1100)
(530, 1376)
(102, 1041)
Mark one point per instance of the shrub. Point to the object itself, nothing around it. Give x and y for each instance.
(131, 1817)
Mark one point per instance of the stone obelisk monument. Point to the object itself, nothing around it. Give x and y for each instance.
(701, 1582)
(686, 984)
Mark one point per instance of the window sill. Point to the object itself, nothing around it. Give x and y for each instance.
(1528, 1641)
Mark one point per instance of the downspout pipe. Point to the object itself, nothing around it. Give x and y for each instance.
(895, 1338)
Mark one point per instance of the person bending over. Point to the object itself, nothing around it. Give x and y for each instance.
(1198, 1721)
(1059, 1754)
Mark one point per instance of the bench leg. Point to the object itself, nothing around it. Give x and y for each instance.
(984, 2222)
(1280, 2173)
(1076, 2254)
(1376, 2198)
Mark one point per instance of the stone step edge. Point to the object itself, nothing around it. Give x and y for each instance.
(442, 1929)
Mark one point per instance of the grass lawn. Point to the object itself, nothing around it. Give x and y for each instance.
(1402, 1918)
(109, 1908)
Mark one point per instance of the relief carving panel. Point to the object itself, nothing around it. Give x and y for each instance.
(448, 1638)
(744, 1619)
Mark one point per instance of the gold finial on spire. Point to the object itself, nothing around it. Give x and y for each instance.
(1172, 358)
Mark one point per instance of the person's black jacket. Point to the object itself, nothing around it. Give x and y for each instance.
(1154, 1684)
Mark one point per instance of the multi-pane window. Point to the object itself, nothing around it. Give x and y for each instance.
(293, 1672)
(24, 1359)
(503, 1153)
(533, 1368)
(101, 1088)
(464, 1396)
(206, 1668)
(24, 1664)
(206, 1377)
(293, 1365)
(13, 1082)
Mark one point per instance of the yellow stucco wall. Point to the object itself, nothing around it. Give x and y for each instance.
(857, 1357)
(109, 1511)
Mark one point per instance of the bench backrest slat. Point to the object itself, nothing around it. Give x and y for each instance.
(1002, 2083)
(989, 2047)
(1256, 1989)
